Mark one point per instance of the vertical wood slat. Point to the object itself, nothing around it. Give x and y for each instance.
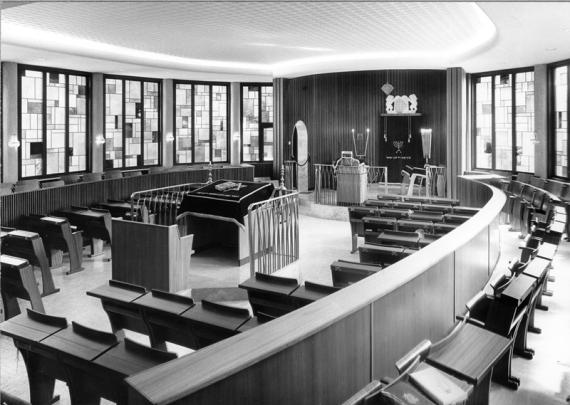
(332, 104)
(45, 201)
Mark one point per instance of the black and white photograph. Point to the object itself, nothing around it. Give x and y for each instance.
(277, 202)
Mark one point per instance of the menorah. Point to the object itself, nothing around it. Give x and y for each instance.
(398, 145)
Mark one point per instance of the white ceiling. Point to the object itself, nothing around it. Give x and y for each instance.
(231, 40)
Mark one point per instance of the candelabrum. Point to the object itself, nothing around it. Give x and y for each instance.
(360, 143)
(426, 143)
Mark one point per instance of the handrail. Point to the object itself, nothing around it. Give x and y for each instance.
(273, 232)
(180, 378)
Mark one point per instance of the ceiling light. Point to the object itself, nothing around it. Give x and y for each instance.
(550, 49)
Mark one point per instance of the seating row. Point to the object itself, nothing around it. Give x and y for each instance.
(433, 222)
(169, 317)
(93, 363)
(274, 296)
(459, 368)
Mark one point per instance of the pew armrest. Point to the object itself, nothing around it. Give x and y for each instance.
(417, 352)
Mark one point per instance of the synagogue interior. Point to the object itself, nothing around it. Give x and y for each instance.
(285, 202)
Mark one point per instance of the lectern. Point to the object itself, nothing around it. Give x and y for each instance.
(351, 180)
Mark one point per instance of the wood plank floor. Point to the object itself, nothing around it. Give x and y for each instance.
(544, 380)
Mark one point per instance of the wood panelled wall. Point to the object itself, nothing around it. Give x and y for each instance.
(332, 104)
(45, 201)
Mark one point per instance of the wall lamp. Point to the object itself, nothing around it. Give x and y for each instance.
(14, 142)
(100, 139)
(169, 137)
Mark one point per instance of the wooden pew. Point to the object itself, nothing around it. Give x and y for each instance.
(538, 269)
(57, 235)
(344, 272)
(29, 246)
(412, 226)
(94, 364)
(161, 312)
(382, 255)
(441, 208)
(122, 209)
(116, 298)
(211, 322)
(506, 314)
(433, 216)
(310, 292)
(270, 294)
(95, 225)
(355, 216)
(442, 229)
(455, 219)
(398, 238)
(461, 210)
(17, 281)
(470, 355)
(374, 226)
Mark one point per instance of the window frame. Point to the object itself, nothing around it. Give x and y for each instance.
(88, 112)
(551, 105)
(193, 83)
(473, 100)
(262, 125)
(160, 90)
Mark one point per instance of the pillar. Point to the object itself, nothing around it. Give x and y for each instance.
(235, 122)
(9, 121)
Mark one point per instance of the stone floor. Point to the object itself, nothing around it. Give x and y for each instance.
(544, 380)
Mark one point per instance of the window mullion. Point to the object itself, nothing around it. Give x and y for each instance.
(493, 132)
(513, 124)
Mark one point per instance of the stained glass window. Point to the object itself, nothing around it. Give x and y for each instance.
(524, 116)
(113, 123)
(183, 139)
(77, 116)
(503, 121)
(31, 128)
(257, 122)
(132, 123)
(53, 122)
(561, 121)
(483, 122)
(201, 122)
(219, 124)
(250, 123)
(151, 124)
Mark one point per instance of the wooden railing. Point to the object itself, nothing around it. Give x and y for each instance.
(41, 201)
(325, 351)
(273, 233)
